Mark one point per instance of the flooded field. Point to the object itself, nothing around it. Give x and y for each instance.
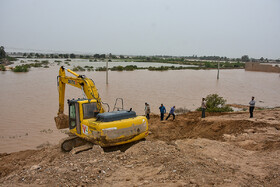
(29, 101)
(86, 62)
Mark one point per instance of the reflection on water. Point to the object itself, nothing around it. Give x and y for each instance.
(29, 101)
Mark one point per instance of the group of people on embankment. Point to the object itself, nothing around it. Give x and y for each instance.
(162, 110)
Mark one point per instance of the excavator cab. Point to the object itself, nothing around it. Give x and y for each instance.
(81, 109)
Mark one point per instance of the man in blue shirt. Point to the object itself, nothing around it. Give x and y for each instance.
(172, 110)
(162, 111)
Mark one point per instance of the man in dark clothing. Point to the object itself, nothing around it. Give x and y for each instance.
(252, 106)
(147, 110)
(162, 111)
(172, 110)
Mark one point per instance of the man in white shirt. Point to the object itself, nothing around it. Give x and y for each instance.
(252, 106)
(203, 107)
(147, 110)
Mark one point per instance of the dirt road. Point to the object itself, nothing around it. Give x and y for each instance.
(222, 150)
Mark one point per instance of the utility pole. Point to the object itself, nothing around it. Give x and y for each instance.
(107, 70)
(218, 74)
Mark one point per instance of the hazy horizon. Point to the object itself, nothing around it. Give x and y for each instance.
(230, 28)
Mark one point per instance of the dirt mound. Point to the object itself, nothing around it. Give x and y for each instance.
(221, 150)
(192, 126)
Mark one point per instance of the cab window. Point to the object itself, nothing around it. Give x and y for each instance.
(72, 115)
(90, 110)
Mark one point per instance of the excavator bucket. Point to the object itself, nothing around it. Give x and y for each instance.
(61, 121)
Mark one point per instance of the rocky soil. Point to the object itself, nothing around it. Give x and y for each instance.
(227, 149)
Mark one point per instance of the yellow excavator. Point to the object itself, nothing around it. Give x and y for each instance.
(88, 121)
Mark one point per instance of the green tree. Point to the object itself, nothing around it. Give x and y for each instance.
(72, 55)
(215, 103)
(96, 56)
(2, 52)
(245, 58)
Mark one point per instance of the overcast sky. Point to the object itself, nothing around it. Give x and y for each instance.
(229, 28)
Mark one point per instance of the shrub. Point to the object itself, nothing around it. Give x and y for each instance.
(130, 68)
(215, 103)
(11, 58)
(117, 68)
(181, 110)
(45, 62)
(2, 67)
(78, 68)
(89, 68)
(100, 69)
(161, 68)
(35, 65)
(21, 68)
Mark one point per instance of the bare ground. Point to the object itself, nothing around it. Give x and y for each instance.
(227, 149)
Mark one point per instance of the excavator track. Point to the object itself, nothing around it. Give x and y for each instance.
(67, 144)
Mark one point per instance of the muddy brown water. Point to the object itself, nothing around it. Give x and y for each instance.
(29, 101)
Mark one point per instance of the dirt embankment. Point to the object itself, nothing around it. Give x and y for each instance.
(222, 150)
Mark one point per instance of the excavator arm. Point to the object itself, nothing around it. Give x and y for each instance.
(78, 81)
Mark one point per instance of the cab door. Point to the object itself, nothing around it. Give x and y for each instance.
(74, 117)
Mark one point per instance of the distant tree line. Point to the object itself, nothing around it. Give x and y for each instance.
(155, 58)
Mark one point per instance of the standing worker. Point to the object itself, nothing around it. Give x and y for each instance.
(252, 106)
(203, 107)
(162, 111)
(172, 110)
(147, 110)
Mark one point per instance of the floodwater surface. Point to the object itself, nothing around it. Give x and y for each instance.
(29, 101)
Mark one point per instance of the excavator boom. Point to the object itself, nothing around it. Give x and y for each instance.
(79, 81)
